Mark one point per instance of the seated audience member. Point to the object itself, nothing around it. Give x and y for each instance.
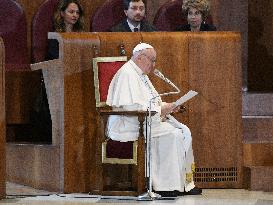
(135, 12)
(197, 12)
(68, 17)
(172, 154)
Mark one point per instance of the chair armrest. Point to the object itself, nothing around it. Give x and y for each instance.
(106, 112)
(128, 113)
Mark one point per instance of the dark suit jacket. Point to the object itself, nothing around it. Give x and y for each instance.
(124, 27)
(204, 27)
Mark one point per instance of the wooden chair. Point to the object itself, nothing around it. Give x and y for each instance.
(116, 159)
(13, 30)
(110, 13)
(42, 23)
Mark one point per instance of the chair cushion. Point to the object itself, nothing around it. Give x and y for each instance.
(121, 150)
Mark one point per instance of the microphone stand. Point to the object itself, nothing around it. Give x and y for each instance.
(150, 195)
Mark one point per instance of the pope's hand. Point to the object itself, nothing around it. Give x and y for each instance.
(167, 108)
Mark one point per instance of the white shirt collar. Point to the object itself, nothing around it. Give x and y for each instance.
(132, 26)
(137, 69)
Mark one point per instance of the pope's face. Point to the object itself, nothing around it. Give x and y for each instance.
(135, 12)
(194, 17)
(148, 59)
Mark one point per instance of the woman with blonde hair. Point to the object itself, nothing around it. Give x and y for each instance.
(68, 17)
(197, 12)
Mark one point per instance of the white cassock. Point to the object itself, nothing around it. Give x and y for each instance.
(172, 156)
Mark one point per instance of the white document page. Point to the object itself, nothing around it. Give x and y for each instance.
(186, 97)
(179, 102)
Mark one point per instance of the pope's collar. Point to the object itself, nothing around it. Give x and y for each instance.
(137, 69)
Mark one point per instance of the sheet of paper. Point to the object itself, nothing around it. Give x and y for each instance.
(186, 97)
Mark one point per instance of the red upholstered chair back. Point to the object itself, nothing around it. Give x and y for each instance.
(169, 16)
(104, 70)
(42, 23)
(107, 15)
(13, 30)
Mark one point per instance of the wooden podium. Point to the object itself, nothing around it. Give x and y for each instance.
(209, 63)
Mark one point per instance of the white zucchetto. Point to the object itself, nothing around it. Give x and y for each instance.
(141, 46)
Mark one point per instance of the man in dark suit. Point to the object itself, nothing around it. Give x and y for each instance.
(135, 12)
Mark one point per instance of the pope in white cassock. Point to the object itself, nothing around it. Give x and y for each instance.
(172, 155)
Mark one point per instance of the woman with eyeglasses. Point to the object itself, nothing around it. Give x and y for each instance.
(196, 12)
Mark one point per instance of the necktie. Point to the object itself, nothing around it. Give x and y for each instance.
(135, 29)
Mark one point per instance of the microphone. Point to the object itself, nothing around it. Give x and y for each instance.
(161, 76)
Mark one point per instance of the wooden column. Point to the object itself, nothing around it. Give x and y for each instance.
(80, 125)
(215, 117)
(2, 122)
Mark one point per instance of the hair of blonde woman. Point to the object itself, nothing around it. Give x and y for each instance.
(58, 21)
(201, 5)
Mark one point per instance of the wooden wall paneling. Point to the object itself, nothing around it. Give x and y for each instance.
(233, 16)
(76, 52)
(212, 67)
(260, 46)
(110, 43)
(214, 5)
(215, 72)
(214, 117)
(74, 118)
(258, 154)
(40, 166)
(2, 122)
(22, 88)
(37, 166)
(172, 60)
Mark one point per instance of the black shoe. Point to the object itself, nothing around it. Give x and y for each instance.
(179, 193)
(194, 191)
(167, 193)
